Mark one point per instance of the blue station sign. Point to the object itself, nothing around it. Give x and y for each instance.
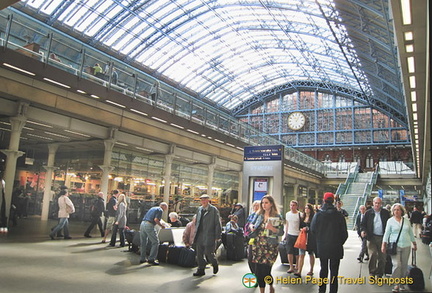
(264, 153)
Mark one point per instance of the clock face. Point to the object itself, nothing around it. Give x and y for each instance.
(296, 120)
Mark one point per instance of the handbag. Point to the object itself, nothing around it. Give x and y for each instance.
(69, 210)
(301, 241)
(392, 246)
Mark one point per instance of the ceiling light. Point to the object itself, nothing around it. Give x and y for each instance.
(415, 117)
(120, 143)
(192, 131)
(175, 125)
(414, 107)
(406, 12)
(409, 48)
(411, 64)
(19, 69)
(409, 36)
(412, 81)
(40, 124)
(115, 104)
(81, 92)
(94, 96)
(139, 112)
(158, 119)
(38, 136)
(218, 140)
(55, 134)
(413, 96)
(57, 83)
(77, 133)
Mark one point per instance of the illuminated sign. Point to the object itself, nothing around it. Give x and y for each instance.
(264, 153)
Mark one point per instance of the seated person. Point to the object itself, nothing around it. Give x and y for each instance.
(232, 225)
(174, 220)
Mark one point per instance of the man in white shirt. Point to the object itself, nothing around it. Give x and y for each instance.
(292, 230)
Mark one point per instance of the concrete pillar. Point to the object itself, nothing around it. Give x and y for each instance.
(12, 154)
(296, 191)
(52, 149)
(210, 176)
(106, 167)
(167, 180)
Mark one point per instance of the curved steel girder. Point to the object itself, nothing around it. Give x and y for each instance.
(326, 87)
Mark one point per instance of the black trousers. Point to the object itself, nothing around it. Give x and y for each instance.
(262, 271)
(334, 271)
(95, 221)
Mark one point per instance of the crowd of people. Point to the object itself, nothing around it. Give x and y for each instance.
(382, 232)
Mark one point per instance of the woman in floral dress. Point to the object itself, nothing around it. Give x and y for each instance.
(268, 227)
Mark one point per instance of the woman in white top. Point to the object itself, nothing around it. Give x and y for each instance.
(406, 239)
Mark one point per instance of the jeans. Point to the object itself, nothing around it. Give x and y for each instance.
(148, 232)
(334, 271)
(63, 223)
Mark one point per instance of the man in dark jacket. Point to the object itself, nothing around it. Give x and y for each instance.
(208, 230)
(330, 229)
(373, 226)
(96, 210)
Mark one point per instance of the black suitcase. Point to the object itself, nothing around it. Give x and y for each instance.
(163, 252)
(174, 254)
(415, 274)
(388, 265)
(235, 247)
(187, 257)
(283, 252)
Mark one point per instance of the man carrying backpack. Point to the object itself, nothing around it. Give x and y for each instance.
(96, 211)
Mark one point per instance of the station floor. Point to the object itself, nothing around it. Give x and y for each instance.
(31, 262)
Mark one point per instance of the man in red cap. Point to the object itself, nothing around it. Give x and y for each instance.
(330, 229)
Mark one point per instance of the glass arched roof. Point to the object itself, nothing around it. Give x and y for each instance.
(229, 51)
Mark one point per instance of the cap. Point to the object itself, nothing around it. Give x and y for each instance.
(239, 204)
(328, 195)
(204, 196)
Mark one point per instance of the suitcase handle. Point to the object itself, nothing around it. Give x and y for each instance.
(413, 258)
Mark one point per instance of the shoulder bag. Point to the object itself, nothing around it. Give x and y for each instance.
(392, 246)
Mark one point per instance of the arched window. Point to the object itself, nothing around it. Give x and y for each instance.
(369, 161)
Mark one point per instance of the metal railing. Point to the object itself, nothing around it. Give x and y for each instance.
(62, 51)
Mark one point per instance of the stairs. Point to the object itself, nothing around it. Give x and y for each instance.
(354, 193)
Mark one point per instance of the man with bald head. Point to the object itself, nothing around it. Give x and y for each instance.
(372, 227)
(96, 210)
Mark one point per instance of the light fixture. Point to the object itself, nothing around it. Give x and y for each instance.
(159, 119)
(412, 81)
(406, 12)
(139, 112)
(411, 64)
(115, 104)
(57, 83)
(19, 69)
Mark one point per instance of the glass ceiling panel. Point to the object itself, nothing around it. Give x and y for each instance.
(225, 50)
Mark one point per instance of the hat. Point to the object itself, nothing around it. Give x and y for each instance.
(204, 196)
(328, 196)
(239, 204)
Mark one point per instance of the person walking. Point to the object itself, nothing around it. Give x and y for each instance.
(96, 211)
(66, 207)
(373, 226)
(268, 227)
(208, 230)
(330, 230)
(148, 233)
(248, 230)
(363, 249)
(110, 215)
(292, 227)
(399, 225)
(120, 221)
(307, 217)
(416, 221)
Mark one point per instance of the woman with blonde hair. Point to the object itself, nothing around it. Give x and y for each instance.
(120, 222)
(398, 229)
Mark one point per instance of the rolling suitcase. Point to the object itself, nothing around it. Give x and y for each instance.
(283, 252)
(187, 257)
(415, 274)
(163, 252)
(174, 254)
(236, 249)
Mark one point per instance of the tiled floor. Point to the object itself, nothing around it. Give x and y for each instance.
(31, 262)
